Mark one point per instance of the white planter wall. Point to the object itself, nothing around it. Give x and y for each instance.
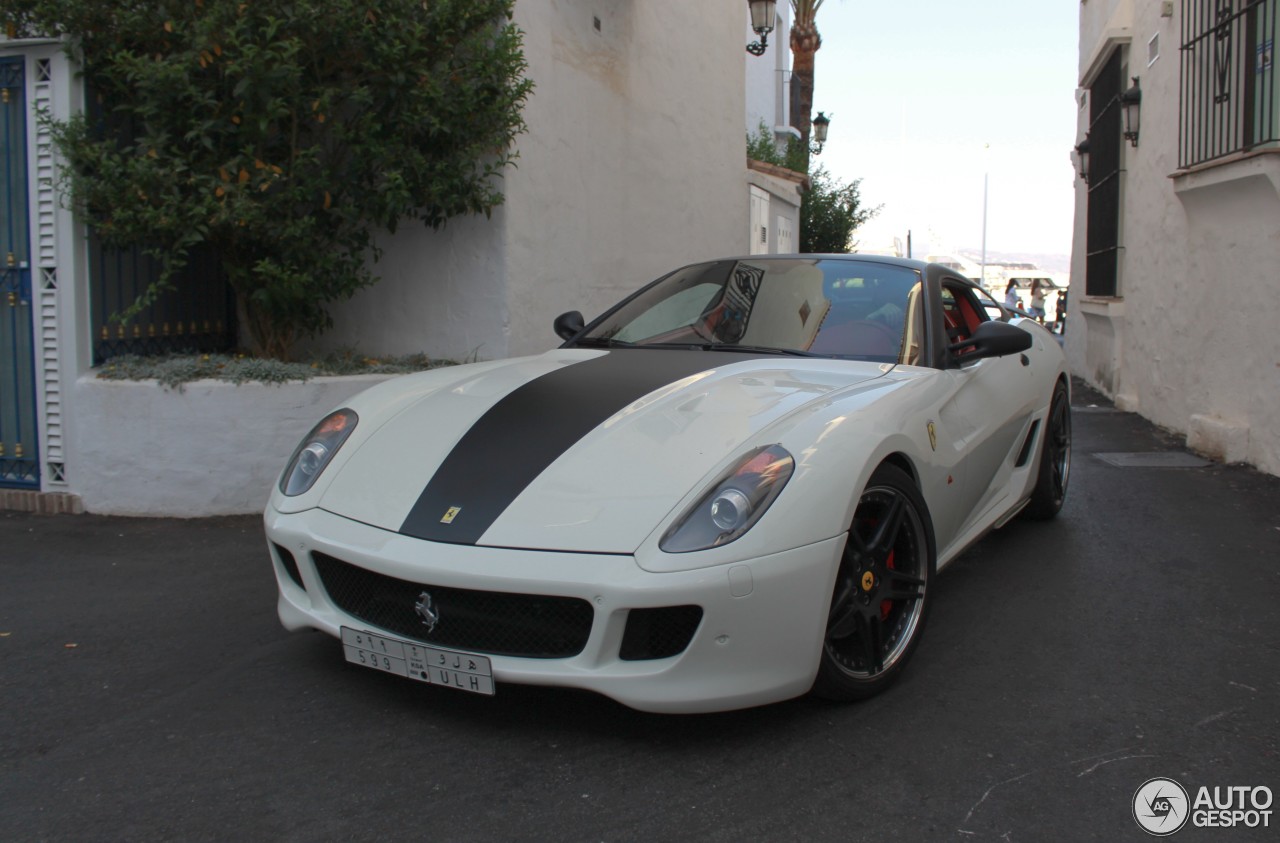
(213, 449)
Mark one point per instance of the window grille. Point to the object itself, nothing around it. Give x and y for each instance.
(1227, 94)
(197, 315)
(1102, 236)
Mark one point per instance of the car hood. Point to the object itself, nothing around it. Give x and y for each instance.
(575, 450)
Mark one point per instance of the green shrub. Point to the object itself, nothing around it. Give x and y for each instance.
(176, 370)
(284, 135)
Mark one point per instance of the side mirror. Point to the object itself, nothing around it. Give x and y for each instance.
(991, 339)
(568, 325)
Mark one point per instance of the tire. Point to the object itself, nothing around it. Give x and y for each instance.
(881, 598)
(1055, 459)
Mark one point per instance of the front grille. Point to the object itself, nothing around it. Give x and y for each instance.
(659, 633)
(527, 625)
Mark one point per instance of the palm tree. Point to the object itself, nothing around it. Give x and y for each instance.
(805, 43)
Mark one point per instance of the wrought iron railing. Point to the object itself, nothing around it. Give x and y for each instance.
(197, 315)
(1228, 101)
(1102, 238)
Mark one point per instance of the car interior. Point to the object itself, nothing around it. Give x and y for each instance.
(866, 317)
(961, 313)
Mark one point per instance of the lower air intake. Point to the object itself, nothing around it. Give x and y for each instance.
(659, 633)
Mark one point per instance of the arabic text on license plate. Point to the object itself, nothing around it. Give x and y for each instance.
(464, 671)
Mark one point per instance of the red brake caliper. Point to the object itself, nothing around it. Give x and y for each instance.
(887, 605)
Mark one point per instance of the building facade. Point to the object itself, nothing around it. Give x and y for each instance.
(632, 165)
(1177, 228)
(773, 193)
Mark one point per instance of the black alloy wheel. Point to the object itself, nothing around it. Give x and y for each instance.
(1055, 459)
(880, 604)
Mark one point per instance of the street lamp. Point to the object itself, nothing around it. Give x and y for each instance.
(820, 124)
(1131, 101)
(1082, 156)
(763, 14)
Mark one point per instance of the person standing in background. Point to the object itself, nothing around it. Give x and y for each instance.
(1011, 296)
(1037, 300)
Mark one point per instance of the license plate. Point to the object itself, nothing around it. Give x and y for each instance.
(463, 671)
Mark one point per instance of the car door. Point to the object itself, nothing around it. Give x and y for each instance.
(989, 409)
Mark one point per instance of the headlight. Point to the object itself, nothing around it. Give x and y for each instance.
(734, 502)
(315, 452)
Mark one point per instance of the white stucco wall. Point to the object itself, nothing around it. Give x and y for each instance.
(213, 449)
(441, 292)
(633, 162)
(784, 203)
(1103, 22)
(632, 165)
(1191, 342)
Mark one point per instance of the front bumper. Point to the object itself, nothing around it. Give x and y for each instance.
(758, 642)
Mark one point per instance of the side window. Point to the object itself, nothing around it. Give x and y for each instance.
(961, 311)
(988, 308)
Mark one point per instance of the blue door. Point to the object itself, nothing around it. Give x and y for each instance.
(19, 452)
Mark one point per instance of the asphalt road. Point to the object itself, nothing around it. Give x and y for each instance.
(147, 692)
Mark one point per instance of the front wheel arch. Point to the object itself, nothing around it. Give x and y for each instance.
(1053, 459)
(880, 599)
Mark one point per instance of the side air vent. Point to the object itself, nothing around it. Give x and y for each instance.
(1025, 453)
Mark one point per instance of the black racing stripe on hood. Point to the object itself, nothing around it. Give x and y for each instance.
(528, 430)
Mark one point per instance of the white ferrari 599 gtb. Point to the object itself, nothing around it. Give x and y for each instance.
(735, 487)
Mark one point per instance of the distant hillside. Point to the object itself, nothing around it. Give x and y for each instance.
(1059, 264)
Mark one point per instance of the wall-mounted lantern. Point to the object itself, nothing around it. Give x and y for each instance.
(1131, 101)
(820, 124)
(1082, 157)
(763, 14)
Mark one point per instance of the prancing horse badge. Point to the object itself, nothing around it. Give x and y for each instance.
(451, 514)
(933, 437)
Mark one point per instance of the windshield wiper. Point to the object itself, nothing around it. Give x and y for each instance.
(763, 349)
(602, 342)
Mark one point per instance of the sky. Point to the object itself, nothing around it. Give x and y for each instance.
(926, 97)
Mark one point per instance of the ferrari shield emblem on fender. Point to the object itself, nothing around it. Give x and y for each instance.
(933, 437)
(450, 514)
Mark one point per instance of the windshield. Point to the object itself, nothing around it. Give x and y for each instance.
(823, 307)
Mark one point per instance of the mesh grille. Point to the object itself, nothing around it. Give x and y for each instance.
(659, 633)
(527, 625)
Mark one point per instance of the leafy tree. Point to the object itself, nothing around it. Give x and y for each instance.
(284, 134)
(830, 210)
